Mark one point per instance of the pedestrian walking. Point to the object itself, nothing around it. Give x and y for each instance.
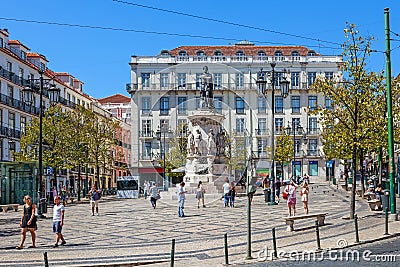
(154, 195)
(232, 195)
(58, 221)
(181, 199)
(28, 222)
(225, 188)
(64, 193)
(146, 187)
(200, 191)
(278, 185)
(304, 196)
(290, 191)
(94, 199)
(54, 193)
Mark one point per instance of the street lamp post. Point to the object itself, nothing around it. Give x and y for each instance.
(296, 128)
(28, 95)
(158, 133)
(284, 86)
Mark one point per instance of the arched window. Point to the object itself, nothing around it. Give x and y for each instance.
(261, 55)
(200, 55)
(164, 53)
(182, 55)
(218, 56)
(278, 55)
(295, 55)
(311, 53)
(239, 55)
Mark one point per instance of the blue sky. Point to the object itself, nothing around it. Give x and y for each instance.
(100, 58)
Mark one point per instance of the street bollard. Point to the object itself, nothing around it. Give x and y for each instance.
(46, 261)
(226, 248)
(317, 232)
(386, 221)
(172, 253)
(356, 228)
(274, 243)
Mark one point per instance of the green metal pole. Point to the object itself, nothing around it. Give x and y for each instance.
(317, 232)
(226, 248)
(274, 243)
(172, 253)
(386, 221)
(248, 257)
(356, 228)
(389, 114)
(46, 261)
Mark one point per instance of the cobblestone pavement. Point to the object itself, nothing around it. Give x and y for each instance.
(130, 231)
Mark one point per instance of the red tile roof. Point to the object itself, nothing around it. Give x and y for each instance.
(248, 50)
(16, 42)
(117, 98)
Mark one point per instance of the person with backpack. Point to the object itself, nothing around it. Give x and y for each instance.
(95, 196)
(290, 195)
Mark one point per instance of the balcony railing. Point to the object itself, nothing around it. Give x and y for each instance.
(18, 104)
(10, 132)
(313, 131)
(262, 132)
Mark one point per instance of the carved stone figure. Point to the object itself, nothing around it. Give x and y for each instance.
(190, 144)
(197, 140)
(221, 143)
(206, 89)
(211, 142)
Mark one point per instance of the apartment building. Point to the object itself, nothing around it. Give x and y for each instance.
(165, 90)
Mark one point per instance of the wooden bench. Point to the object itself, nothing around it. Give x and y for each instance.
(9, 206)
(375, 204)
(290, 220)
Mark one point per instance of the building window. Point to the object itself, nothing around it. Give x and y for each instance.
(1, 42)
(146, 105)
(261, 147)
(218, 56)
(278, 79)
(278, 104)
(239, 80)
(164, 80)
(240, 125)
(239, 105)
(295, 79)
(164, 105)
(145, 80)
(328, 103)
(261, 55)
(295, 55)
(218, 104)
(296, 104)
(311, 77)
(198, 80)
(278, 125)
(183, 123)
(312, 125)
(182, 55)
(182, 105)
(146, 128)
(278, 55)
(181, 80)
(311, 53)
(146, 150)
(42, 66)
(239, 55)
(312, 102)
(313, 168)
(22, 124)
(262, 104)
(262, 126)
(217, 80)
(11, 120)
(164, 125)
(312, 147)
(200, 55)
(329, 75)
(164, 53)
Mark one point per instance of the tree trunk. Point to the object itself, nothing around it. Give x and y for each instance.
(354, 183)
(79, 182)
(362, 174)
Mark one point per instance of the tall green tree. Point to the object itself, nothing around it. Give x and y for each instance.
(283, 149)
(355, 119)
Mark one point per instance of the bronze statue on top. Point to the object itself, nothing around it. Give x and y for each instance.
(206, 89)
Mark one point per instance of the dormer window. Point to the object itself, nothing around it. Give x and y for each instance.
(218, 53)
(42, 67)
(311, 53)
(200, 55)
(295, 54)
(164, 53)
(182, 54)
(239, 55)
(261, 55)
(278, 53)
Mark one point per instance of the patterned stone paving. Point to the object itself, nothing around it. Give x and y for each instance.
(130, 231)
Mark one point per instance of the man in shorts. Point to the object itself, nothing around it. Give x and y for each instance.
(94, 199)
(58, 221)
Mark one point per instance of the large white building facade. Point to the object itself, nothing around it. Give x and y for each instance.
(165, 89)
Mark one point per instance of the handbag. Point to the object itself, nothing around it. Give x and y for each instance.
(285, 195)
(158, 196)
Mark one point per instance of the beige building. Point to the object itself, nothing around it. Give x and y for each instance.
(165, 90)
